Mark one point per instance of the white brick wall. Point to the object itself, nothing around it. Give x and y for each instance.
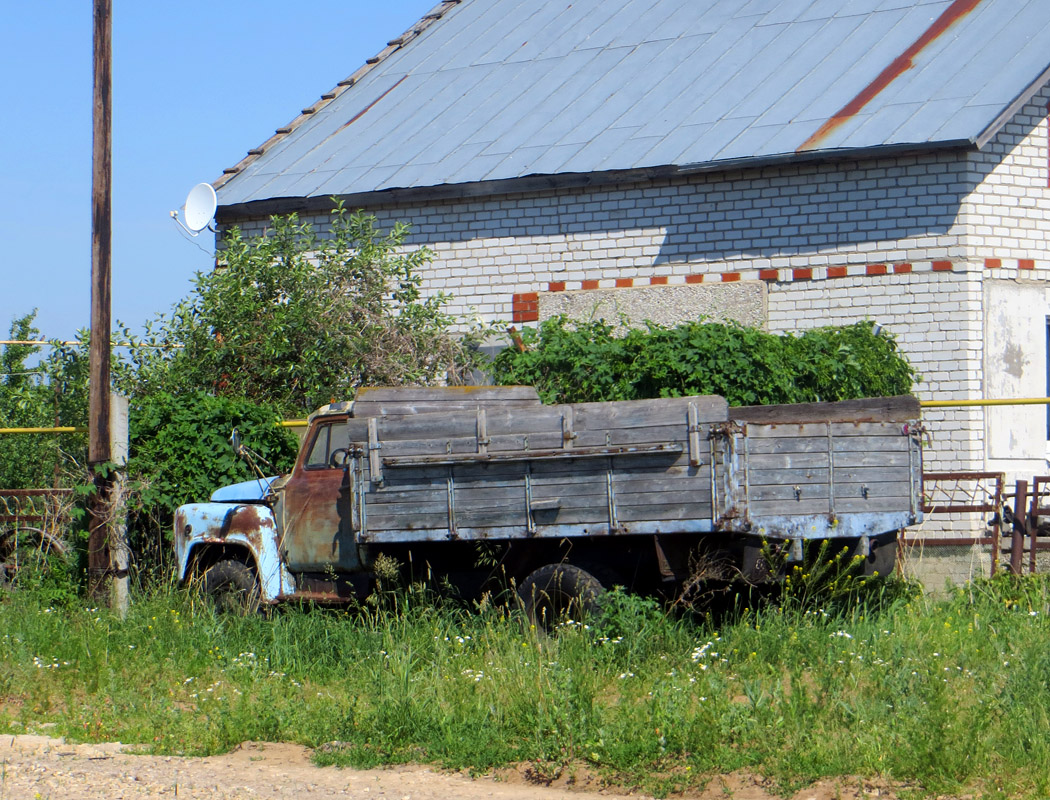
(848, 213)
(1008, 215)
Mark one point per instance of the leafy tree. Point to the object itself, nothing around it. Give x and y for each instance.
(29, 398)
(296, 319)
(585, 361)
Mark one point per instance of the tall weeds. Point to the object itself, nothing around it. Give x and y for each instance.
(947, 695)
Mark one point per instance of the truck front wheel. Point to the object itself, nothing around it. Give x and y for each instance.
(232, 587)
(557, 592)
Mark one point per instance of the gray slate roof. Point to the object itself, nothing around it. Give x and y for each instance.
(495, 90)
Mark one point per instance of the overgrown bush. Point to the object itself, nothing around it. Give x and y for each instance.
(587, 361)
(295, 319)
(180, 452)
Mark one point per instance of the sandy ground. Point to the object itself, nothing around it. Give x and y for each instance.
(41, 768)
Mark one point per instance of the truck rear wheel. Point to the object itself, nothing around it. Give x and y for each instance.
(557, 592)
(882, 555)
(232, 587)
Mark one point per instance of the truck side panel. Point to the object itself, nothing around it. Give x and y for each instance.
(575, 470)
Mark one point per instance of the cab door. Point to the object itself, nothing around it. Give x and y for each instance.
(317, 504)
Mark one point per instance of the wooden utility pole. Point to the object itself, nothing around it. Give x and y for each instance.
(101, 230)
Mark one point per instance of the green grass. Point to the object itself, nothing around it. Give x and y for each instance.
(949, 696)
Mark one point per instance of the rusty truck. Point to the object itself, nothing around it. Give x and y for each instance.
(483, 484)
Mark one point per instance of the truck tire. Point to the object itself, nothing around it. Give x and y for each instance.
(882, 559)
(232, 588)
(557, 592)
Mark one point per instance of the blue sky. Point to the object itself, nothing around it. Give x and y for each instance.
(195, 85)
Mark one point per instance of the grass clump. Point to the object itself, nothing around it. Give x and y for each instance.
(946, 695)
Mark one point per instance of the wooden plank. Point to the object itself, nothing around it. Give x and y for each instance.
(844, 476)
(821, 429)
(573, 456)
(656, 498)
(501, 494)
(809, 460)
(671, 513)
(903, 408)
(785, 493)
(679, 434)
(543, 419)
(647, 413)
(421, 521)
(856, 444)
(857, 505)
(376, 401)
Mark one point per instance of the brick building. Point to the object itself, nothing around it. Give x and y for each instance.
(786, 163)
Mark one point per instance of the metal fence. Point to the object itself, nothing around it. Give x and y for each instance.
(32, 523)
(1016, 523)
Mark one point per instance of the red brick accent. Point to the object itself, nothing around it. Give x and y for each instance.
(993, 263)
(876, 269)
(624, 283)
(658, 280)
(768, 274)
(556, 286)
(942, 266)
(901, 268)
(729, 277)
(694, 278)
(592, 284)
(837, 272)
(525, 307)
(802, 274)
(1026, 263)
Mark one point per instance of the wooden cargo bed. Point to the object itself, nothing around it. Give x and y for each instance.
(435, 466)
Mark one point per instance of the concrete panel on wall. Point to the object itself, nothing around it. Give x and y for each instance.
(743, 302)
(1015, 367)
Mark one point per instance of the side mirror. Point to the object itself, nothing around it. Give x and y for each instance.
(235, 442)
(339, 458)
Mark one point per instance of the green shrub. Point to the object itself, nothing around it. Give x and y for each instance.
(572, 362)
(180, 451)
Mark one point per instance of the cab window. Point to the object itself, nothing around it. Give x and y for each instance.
(330, 437)
(319, 451)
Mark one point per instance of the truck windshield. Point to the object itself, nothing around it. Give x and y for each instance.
(329, 437)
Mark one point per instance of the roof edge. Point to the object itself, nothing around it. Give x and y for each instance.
(1011, 110)
(234, 212)
(428, 19)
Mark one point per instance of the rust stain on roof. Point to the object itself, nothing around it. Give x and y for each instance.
(368, 108)
(905, 61)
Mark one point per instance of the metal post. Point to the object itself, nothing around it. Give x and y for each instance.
(1017, 536)
(1031, 522)
(101, 228)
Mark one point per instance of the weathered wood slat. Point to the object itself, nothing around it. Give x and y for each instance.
(669, 512)
(453, 459)
(791, 430)
(785, 493)
(844, 476)
(647, 413)
(383, 400)
(854, 444)
(856, 505)
(889, 409)
(503, 494)
(418, 521)
(666, 496)
(640, 435)
(810, 460)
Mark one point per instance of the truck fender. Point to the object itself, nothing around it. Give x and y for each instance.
(203, 528)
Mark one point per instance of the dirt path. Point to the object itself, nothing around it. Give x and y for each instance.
(40, 768)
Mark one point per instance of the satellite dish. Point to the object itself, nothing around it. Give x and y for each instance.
(200, 207)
